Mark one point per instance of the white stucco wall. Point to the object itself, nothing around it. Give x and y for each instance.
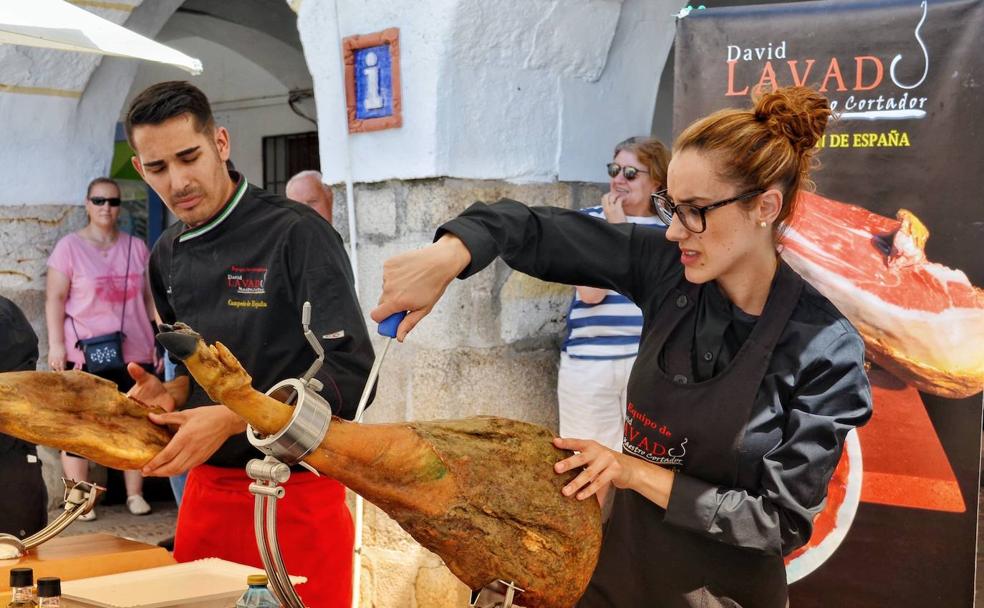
(522, 90)
(58, 110)
(58, 120)
(401, 153)
(597, 114)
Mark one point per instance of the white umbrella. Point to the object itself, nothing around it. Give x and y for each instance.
(56, 24)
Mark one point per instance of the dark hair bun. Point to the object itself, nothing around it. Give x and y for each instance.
(798, 113)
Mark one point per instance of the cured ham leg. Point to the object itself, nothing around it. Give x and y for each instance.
(479, 492)
(920, 320)
(80, 413)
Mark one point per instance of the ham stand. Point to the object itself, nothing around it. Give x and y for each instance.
(80, 497)
(305, 431)
(498, 594)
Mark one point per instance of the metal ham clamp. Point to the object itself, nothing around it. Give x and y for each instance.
(307, 427)
(79, 498)
(305, 431)
(498, 594)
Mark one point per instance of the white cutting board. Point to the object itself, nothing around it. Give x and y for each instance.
(206, 583)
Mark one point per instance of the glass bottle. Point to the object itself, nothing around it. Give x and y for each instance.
(22, 588)
(49, 592)
(258, 595)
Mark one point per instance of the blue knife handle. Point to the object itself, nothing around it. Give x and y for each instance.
(388, 326)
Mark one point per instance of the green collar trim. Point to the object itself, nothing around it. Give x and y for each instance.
(190, 234)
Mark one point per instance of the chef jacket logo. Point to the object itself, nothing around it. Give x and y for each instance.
(246, 281)
(652, 441)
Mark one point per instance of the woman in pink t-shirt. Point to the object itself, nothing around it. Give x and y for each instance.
(88, 285)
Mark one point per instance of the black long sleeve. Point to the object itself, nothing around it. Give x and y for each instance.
(830, 397)
(566, 246)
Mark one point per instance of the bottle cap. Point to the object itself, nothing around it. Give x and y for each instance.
(256, 579)
(21, 577)
(49, 586)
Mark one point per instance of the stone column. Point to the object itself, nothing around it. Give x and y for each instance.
(513, 99)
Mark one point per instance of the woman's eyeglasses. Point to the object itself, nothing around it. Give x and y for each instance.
(691, 216)
(99, 201)
(630, 173)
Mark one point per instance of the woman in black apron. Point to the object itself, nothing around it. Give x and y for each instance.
(747, 379)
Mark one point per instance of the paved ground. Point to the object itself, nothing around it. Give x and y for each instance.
(116, 520)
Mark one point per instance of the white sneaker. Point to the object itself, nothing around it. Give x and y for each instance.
(137, 505)
(90, 516)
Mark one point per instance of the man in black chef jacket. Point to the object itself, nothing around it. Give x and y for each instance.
(237, 268)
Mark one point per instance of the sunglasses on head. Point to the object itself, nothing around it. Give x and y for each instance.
(99, 201)
(630, 173)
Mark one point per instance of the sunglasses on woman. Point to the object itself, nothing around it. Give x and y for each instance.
(691, 216)
(99, 201)
(630, 173)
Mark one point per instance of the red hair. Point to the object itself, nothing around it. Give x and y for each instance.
(770, 145)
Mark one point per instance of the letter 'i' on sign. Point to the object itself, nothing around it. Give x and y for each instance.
(369, 92)
(372, 81)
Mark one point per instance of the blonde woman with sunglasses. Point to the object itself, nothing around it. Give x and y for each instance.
(747, 380)
(97, 285)
(603, 326)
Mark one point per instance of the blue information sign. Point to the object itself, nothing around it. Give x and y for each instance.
(373, 82)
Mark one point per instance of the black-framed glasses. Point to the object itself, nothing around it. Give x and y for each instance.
(691, 216)
(630, 173)
(99, 201)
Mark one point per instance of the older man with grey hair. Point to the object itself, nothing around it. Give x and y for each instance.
(307, 187)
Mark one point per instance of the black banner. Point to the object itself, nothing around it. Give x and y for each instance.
(893, 237)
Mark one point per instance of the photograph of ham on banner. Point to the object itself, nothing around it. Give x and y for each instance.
(893, 237)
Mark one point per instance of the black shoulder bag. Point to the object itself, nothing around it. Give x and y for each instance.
(105, 353)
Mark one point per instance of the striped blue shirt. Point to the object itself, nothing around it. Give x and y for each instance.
(611, 328)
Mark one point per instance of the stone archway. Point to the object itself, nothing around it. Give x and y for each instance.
(255, 73)
(58, 114)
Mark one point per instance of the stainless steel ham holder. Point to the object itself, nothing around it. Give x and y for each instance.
(80, 497)
(304, 432)
(268, 474)
(499, 594)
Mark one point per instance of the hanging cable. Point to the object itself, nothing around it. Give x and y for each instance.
(296, 96)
